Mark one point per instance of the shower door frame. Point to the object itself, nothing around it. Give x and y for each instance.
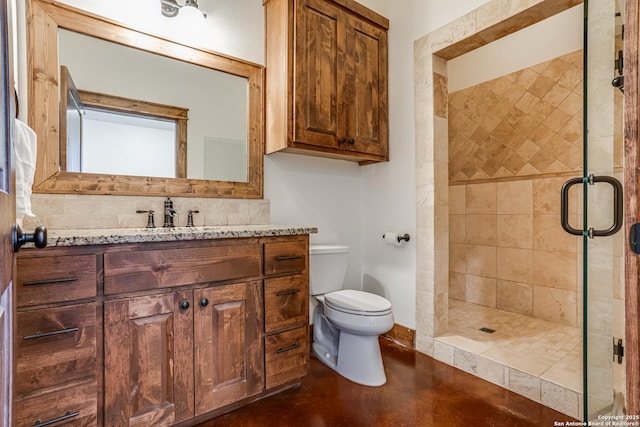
(632, 190)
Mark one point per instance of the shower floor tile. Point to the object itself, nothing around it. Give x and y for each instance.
(548, 350)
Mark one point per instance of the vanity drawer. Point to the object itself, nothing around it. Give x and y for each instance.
(286, 356)
(72, 406)
(286, 301)
(55, 279)
(55, 346)
(154, 269)
(285, 257)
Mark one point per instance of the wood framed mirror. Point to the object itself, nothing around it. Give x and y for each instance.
(45, 20)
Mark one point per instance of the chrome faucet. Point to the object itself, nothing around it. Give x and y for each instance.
(169, 213)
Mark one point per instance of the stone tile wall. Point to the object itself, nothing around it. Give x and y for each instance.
(513, 142)
(525, 123)
(71, 212)
(508, 250)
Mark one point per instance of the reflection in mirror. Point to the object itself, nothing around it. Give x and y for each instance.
(217, 104)
(114, 143)
(218, 101)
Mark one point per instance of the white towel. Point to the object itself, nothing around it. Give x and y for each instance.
(25, 147)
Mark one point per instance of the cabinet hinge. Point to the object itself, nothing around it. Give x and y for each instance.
(618, 350)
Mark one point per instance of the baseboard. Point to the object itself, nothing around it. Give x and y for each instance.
(402, 335)
(398, 334)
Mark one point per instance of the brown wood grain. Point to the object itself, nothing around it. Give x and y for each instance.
(51, 279)
(158, 363)
(285, 257)
(228, 354)
(75, 352)
(367, 109)
(286, 302)
(402, 335)
(283, 363)
(326, 80)
(135, 271)
(80, 398)
(632, 189)
(149, 360)
(319, 98)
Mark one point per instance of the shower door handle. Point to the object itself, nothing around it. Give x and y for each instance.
(564, 206)
(618, 211)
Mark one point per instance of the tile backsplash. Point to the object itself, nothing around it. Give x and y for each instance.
(70, 212)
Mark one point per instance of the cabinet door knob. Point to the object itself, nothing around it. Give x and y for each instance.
(343, 140)
(204, 302)
(184, 305)
(351, 141)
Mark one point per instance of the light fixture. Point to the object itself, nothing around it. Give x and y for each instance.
(170, 8)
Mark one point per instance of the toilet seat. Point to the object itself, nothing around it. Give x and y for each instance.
(359, 303)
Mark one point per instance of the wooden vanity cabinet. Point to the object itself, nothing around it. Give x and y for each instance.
(159, 333)
(327, 79)
(172, 356)
(57, 339)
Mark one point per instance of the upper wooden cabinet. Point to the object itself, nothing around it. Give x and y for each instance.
(326, 68)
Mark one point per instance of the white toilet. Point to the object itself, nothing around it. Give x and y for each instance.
(347, 322)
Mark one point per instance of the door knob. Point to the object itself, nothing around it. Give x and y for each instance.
(204, 302)
(38, 238)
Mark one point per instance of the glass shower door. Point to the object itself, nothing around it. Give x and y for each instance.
(601, 217)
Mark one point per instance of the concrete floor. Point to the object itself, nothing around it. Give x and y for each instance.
(420, 391)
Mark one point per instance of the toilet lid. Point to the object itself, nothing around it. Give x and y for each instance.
(357, 302)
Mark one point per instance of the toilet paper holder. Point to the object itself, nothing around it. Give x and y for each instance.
(401, 237)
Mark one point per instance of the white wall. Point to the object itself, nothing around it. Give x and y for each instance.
(219, 32)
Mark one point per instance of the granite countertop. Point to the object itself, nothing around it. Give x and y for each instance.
(141, 235)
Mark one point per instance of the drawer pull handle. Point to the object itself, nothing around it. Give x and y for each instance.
(51, 281)
(291, 347)
(288, 258)
(50, 334)
(66, 416)
(288, 292)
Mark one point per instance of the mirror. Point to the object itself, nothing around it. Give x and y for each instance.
(223, 110)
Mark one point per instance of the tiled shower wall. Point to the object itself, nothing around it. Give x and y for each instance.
(513, 141)
(508, 250)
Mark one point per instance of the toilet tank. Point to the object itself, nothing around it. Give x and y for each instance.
(327, 268)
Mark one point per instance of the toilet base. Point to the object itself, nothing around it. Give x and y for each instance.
(359, 359)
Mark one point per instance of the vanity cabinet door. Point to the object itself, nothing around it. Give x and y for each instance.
(148, 354)
(228, 347)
